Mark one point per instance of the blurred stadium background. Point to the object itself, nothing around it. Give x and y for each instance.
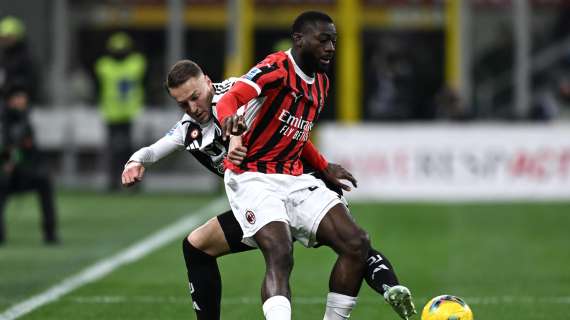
(454, 116)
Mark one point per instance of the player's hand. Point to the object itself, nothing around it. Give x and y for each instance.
(132, 174)
(233, 125)
(335, 172)
(236, 150)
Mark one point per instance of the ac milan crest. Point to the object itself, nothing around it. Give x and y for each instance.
(250, 216)
(194, 134)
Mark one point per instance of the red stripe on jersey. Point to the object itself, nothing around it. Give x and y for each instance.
(316, 97)
(282, 125)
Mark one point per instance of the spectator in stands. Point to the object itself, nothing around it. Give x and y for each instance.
(121, 97)
(16, 64)
(21, 167)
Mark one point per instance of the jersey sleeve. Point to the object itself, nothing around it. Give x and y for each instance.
(172, 141)
(264, 73)
(155, 152)
(313, 157)
(239, 95)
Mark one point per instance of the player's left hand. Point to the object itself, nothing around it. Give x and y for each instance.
(236, 150)
(233, 125)
(334, 172)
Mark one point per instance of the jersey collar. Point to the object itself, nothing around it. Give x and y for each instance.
(298, 70)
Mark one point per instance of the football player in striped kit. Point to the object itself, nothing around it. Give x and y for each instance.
(271, 197)
(199, 133)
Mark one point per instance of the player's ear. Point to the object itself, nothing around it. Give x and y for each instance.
(208, 80)
(297, 39)
(166, 88)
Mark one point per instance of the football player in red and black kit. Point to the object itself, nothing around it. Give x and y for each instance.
(271, 198)
(200, 134)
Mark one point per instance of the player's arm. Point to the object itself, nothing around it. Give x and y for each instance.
(236, 150)
(135, 167)
(331, 171)
(240, 94)
(246, 88)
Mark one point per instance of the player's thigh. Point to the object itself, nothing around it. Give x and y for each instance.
(339, 230)
(210, 238)
(256, 200)
(307, 205)
(275, 242)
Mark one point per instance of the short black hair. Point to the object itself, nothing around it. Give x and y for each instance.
(180, 72)
(309, 17)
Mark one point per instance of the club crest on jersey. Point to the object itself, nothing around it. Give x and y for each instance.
(193, 138)
(250, 216)
(252, 73)
(194, 133)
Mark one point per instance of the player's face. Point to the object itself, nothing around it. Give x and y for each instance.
(319, 45)
(195, 97)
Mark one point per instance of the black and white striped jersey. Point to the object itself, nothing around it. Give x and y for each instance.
(203, 141)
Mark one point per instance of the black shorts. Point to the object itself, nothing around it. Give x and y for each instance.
(232, 232)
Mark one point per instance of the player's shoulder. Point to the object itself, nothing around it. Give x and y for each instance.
(180, 126)
(272, 64)
(276, 57)
(224, 86)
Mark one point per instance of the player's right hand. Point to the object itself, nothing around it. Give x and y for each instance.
(236, 150)
(233, 125)
(335, 172)
(132, 173)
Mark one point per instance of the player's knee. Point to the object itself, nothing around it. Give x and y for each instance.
(358, 245)
(194, 256)
(195, 239)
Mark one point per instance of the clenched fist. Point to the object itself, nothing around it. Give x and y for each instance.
(132, 174)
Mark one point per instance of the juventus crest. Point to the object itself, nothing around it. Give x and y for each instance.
(193, 140)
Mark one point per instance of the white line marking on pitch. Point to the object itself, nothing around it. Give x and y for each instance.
(307, 300)
(106, 266)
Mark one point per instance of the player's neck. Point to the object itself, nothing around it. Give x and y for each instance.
(307, 69)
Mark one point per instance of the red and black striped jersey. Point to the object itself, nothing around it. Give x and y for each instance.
(286, 106)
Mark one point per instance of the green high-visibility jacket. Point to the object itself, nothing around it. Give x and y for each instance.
(121, 95)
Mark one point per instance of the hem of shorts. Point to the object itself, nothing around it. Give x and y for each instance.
(250, 241)
(314, 228)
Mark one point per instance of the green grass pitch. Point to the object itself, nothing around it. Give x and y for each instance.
(509, 261)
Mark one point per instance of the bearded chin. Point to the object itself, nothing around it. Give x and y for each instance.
(322, 67)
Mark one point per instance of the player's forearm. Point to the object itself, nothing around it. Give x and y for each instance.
(313, 156)
(155, 152)
(239, 95)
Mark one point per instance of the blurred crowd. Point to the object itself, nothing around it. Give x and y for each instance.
(403, 69)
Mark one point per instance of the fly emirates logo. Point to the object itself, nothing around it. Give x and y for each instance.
(295, 128)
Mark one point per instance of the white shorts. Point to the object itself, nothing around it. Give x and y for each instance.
(257, 199)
